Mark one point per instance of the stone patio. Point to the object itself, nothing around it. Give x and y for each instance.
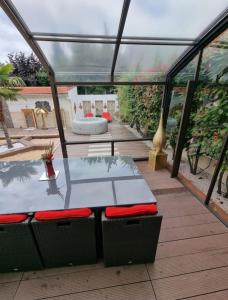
(191, 262)
(116, 131)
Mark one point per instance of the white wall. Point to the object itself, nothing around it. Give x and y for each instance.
(67, 103)
(28, 101)
(77, 99)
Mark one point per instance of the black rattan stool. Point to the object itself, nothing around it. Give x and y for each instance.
(18, 250)
(66, 241)
(129, 240)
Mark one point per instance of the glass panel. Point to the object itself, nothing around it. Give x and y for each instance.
(187, 73)
(219, 197)
(215, 61)
(139, 110)
(171, 18)
(207, 128)
(145, 62)
(70, 16)
(174, 119)
(102, 167)
(79, 62)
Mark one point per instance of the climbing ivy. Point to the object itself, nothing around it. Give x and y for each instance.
(140, 106)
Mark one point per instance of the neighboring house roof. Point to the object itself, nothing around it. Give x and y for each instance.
(34, 90)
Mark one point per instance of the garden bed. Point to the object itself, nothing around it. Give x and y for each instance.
(199, 184)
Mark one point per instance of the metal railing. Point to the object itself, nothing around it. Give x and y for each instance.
(112, 142)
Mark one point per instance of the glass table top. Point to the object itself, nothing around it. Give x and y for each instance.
(82, 182)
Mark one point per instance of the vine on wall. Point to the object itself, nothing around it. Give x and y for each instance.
(140, 106)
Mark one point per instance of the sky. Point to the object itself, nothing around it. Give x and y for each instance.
(156, 18)
(10, 39)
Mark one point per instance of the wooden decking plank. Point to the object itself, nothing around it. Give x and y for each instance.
(181, 211)
(221, 295)
(10, 277)
(136, 291)
(179, 233)
(190, 285)
(60, 271)
(8, 290)
(173, 266)
(184, 221)
(57, 285)
(194, 245)
(165, 182)
(181, 205)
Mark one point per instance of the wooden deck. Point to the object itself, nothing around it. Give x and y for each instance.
(191, 262)
(115, 131)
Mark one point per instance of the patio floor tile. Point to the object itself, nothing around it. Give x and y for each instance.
(80, 281)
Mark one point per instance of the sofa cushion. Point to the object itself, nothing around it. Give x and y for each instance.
(63, 214)
(134, 210)
(13, 218)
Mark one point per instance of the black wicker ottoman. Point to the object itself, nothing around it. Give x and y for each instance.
(129, 240)
(18, 251)
(67, 241)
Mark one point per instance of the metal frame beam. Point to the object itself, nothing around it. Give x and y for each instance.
(198, 66)
(58, 115)
(183, 127)
(216, 171)
(161, 42)
(37, 35)
(105, 83)
(166, 100)
(123, 18)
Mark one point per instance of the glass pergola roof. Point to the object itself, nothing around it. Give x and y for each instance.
(113, 41)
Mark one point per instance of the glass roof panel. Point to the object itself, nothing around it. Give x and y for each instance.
(171, 18)
(215, 61)
(187, 73)
(145, 62)
(79, 61)
(71, 16)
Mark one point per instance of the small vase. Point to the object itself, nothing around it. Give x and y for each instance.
(50, 172)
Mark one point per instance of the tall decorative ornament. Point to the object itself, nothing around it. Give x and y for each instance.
(157, 157)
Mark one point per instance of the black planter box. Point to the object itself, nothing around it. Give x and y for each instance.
(18, 251)
(130, 240)
(67, 241)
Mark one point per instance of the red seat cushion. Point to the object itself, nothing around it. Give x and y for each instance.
(134, 210)
(14, 218)
(89, 115)
(107, 116)
(63, 214)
